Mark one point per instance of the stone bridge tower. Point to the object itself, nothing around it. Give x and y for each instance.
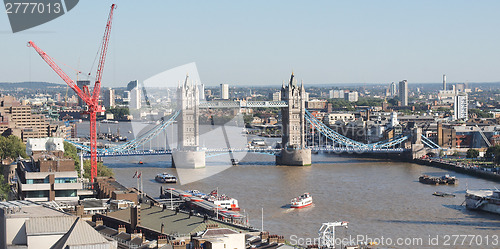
(188, 154)
(187, 121)
(294, 150)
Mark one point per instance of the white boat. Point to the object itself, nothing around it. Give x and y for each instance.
(223, 201)
(258, 143)
(485, 200)
(107, 121)
(197, 193)
(166, 178)
(304, 200)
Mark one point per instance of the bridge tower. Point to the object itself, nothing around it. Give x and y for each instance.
(188, 154)
(294, 151)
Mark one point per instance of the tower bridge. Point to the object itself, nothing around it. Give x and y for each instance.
(296, 122)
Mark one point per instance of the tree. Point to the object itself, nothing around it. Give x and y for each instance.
(4, 188)
(493, 153)
(479, 113)
(472, 153)
(393, 101)
(102, 170)
(119, 112)
(369, 102)
(247, 118)
(341, 104)
(12, 147)
(70, 152)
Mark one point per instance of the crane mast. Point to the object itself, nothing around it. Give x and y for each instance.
(92, 101)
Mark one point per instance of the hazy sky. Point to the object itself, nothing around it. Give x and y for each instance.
(261, 42)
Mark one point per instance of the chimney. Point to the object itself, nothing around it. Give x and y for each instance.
(281, 239)
(264, 235)
(135, 216)
(136, 234)
(79, 210)
(162, 240)
(162, 228)
(122, 229)
(99, 222)
(273, 239)
(179, 245)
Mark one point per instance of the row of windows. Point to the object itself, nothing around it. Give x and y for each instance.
(37, 181)
(66, 180)
(37, 194)
(66, 193)
(45, 193)
(57, 180)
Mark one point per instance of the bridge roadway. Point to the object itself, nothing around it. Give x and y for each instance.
(269, 151)
(242, 104)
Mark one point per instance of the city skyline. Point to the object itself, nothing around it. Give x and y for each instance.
(238, 43)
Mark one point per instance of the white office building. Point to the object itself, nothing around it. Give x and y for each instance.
(393, 90)
(351, 96)
(109, 98)
(224, 91)
(403, 92)
(201, 91)
(336, 94)
(135, 98)
(461, 107)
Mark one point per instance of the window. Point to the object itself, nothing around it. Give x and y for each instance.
(37, 194)
(65, 180)
(37, 181)
(66, 193)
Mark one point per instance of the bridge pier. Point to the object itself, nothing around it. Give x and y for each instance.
(188, 159)
(294, 157)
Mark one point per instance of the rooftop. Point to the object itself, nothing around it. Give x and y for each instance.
(81, 234)
(180, 223)
(24, 209)
(49, 225)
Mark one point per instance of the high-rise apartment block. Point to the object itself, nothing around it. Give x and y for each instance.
(80, 84)
(461, 106)
(393, 89)
(444, 81)
(109, 98)
(336, 94)
(351, 96)
(403, 92)
(224, 91)
(135, 95)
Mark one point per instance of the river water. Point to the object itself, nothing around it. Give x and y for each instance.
(381, 199)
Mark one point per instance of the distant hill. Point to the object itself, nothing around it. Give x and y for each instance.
(31, 85)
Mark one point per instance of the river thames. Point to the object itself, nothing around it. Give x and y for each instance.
(380, 199)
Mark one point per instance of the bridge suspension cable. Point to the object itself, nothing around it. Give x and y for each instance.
(135, 143)
(340, 139)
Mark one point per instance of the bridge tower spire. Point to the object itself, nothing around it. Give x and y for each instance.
(294, 150)
(188, 154)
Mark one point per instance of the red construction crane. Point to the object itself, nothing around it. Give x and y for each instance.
(92, 101)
